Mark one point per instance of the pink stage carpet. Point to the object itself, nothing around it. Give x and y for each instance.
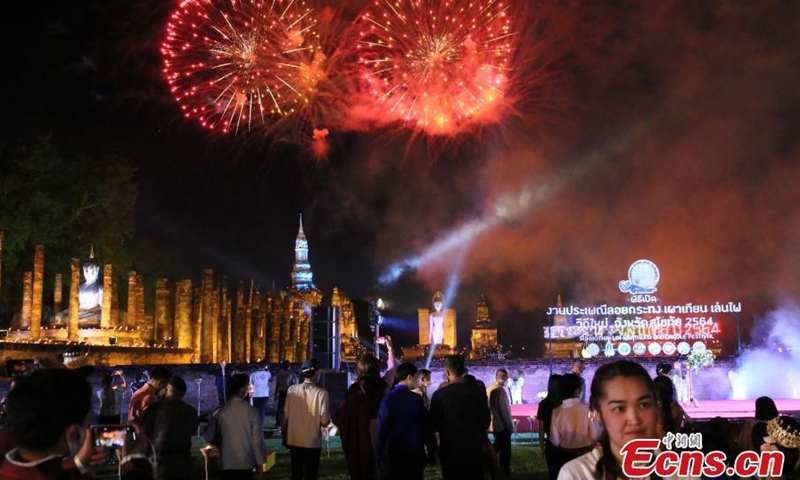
(706, 409)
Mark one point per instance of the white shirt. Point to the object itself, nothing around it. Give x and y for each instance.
(260, 381)
(571, 426)
(583, 468)
(307, 409)
(240, 430)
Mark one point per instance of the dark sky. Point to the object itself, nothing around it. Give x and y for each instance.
(664, 130)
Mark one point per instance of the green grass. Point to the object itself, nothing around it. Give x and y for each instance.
(526, 463)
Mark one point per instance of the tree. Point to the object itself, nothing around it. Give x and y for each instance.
(65, 204)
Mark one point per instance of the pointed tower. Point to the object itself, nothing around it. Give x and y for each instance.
(484, 333)
(559, 320)
(302, 278)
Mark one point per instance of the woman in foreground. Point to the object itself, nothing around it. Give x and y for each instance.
(623, 398)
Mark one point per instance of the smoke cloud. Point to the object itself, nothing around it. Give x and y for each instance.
(678, 143)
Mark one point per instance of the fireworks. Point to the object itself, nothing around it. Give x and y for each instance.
(435, 65)
(231, 64)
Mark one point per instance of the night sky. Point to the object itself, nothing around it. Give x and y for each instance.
(666, 130)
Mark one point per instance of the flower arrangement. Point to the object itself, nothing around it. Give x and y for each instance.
(698, 360)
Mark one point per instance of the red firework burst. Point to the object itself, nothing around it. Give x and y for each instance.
(437, 65)
(233, 63)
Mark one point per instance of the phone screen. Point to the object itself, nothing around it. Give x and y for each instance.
(111, 435)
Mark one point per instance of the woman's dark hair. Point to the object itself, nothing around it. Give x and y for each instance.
(554, 389)
(368, 367)
(665, 390)
(607, 464)
(766, 409)
(106, 380)
(569, 384)
(663, 369)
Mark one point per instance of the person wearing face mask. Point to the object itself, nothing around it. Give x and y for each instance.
(237, 430)
(148, 394)
(48, 410)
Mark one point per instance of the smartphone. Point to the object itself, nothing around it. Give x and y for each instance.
(111, 435)
(380, 340)
(18, 368)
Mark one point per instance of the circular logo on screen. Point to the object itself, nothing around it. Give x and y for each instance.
(593, 349)
(654, 348)
(684, 348)
(643, 277)
(699, 347)
(639, 348)
(624, 349)
(668, 348)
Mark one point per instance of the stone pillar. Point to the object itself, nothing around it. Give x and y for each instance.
(108, 293)
(286, 328)
(183, 314)
(248, 327)
(259, 340)
(215, 308)
(38, 288)
(2, 238)
(197, 324)
(255, 301)
(302, 345)
(115, 312)
(229, 330)
(207, 315)
(141, 320)
(58, 293)
(131, 321)
(27, 299)
(74, 300)
(223, 344)
(275, 331)
(238, 325)
(162, 320)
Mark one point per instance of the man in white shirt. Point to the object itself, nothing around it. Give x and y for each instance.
(307, 409)
(260, 381)
(502, 424)
(572, 429)
(237, 430)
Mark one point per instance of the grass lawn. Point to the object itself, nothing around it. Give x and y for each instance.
(526, 463)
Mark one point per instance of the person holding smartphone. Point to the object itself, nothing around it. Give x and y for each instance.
(48, 411)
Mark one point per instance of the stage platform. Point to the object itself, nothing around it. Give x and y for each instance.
(737, 409)
(705, 410)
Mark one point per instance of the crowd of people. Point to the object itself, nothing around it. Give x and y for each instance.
(389, 426)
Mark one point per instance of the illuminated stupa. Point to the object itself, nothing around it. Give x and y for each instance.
(484, 333)
(302, 277)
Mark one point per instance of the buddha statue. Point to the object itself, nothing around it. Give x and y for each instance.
(90, 293)
(437, 320)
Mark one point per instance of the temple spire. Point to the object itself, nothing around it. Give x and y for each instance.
(302, 277)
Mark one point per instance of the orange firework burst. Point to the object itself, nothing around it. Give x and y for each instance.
(437, 65)
(231, 64)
